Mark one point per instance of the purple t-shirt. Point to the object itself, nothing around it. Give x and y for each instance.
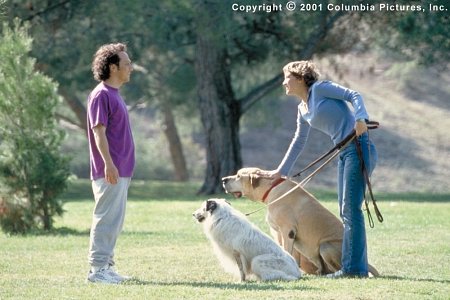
(106, 107)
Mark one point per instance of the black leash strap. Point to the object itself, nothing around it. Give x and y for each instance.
(369, 187)
(370, 125)
(347, 139)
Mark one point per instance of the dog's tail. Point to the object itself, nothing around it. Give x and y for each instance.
(373, 271)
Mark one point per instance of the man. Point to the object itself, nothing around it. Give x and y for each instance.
(111, 152)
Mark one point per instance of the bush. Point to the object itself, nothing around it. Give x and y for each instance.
(12, 217)
(33, 172)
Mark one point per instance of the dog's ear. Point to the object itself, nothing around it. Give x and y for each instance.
(254, 180)
(211, 205)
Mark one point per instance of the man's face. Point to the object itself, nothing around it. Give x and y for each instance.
(125, 68)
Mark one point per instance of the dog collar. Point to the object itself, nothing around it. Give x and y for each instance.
(274, 184)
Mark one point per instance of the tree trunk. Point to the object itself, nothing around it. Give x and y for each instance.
(175, 146)
(77, 107)
(46, 218)
(219, 110)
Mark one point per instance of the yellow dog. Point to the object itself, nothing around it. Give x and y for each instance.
(300, 224)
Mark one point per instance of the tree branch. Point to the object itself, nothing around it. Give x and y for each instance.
(313, 42)
(47, 9)
(68, 122)
(77, 107)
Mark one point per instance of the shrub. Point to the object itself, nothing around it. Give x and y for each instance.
(33, 172)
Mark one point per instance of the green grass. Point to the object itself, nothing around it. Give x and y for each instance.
(166, 251)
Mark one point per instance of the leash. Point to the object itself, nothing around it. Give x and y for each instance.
(349, 138)
(339, 146)
(369, 187)
(306, 180)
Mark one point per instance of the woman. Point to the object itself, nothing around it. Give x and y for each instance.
(323, 105)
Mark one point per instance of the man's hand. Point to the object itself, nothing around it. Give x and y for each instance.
(111, 173)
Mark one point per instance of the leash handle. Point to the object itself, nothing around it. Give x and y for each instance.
(369, 187)
(372, 124)
(369, 215)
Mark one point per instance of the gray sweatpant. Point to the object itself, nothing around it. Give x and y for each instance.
(107, 219)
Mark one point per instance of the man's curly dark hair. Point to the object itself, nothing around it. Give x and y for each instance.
(104, 57)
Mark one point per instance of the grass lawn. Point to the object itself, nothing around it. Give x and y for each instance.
(166, 252)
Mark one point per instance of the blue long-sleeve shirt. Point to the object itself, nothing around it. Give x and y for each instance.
(327, 110)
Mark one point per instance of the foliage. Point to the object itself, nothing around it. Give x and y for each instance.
(420, 36)
(32, 170)
(162, 35)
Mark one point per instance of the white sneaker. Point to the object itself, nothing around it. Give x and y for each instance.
(105, 275)
(120, 277)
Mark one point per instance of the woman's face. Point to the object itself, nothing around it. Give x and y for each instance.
(292, 84)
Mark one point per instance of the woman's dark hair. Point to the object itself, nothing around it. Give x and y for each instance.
(105, 56)
(304, 69)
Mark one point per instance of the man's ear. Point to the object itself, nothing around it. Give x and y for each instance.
(211, 205)
(113, 68)
(254, 180)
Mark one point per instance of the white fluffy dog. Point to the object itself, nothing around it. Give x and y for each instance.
(241, 247)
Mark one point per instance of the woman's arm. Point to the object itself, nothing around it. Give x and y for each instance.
(333, 90)
(296, 147)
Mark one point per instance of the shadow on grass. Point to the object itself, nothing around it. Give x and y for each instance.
(391, 277)
(61, 231)
(140, 190)
(414, 197)
(66, 231)
(328, 195)
(247, 286)
(263, 286)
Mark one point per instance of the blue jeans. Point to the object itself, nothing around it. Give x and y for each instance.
(351, 189)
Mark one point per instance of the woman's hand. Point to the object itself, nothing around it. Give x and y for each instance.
(274, 174)
(360, 127)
